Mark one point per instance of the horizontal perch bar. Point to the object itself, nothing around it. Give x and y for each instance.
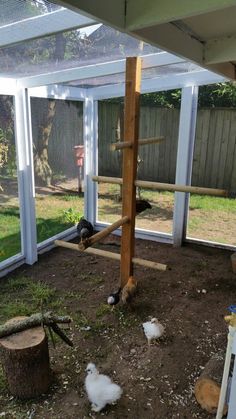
(127, 144)
(101, 234)
(153, 140)
(106, 179)
(120, 145)
(111, 255)
(164, 186)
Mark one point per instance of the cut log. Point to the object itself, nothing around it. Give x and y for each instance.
(207, 386)
(25, 361)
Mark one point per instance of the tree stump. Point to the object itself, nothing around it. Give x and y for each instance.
(25, 360)
(207, 386)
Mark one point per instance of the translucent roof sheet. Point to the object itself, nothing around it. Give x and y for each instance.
(69, 50)
(53, 48)
(17, 10)
(147, 73)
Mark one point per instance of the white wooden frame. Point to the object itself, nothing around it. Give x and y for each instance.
(23, 89)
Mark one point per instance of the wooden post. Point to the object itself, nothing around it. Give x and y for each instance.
(25, 360)
(131, 133)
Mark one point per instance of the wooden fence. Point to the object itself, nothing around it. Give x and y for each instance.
(214, 163)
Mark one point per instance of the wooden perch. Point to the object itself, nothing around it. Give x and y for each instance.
(102, 234)
(207, 386)
(164, 186)
(128, 144)
(38, 319)
(115, 256)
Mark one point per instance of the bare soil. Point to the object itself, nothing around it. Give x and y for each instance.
(190, 299)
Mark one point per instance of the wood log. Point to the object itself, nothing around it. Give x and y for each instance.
(25, 360)
(207, 386)
(22, 323)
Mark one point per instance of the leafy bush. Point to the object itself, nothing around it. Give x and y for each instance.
(72, 216)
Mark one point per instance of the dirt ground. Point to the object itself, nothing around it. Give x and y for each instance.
(190, 299)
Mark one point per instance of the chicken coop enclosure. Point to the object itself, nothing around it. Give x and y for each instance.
(62, 82)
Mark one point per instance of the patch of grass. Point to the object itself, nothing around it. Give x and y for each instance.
(22, 297)
(80, 319)
(98, 326)
(212, 203)
(95, 279)
(15, 308)
(73, 295)
(102, 310)
(125, 319)
(14, 284)
(41, 292)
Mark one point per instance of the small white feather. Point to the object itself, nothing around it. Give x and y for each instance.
(153, 329)
(100, 389)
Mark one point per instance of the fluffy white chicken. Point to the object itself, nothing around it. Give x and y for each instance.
(153, 329)
(100, 389)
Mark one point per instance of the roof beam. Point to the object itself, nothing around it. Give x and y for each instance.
(145, 13)
(220, 50)
(96, 70)
(38, 26)
(171, 38)
(111, 12)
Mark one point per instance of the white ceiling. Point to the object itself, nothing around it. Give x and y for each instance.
(203, 31)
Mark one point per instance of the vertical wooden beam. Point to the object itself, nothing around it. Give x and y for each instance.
(131, 133)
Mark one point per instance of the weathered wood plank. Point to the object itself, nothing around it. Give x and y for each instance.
(131, 133)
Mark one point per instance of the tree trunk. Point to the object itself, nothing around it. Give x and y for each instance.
(25, 360)
(207, 386)
(43, 171)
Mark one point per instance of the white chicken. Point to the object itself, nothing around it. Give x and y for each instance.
(153, 329)
(100, 389)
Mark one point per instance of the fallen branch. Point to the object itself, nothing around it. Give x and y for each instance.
(38, 319)
(61, 334)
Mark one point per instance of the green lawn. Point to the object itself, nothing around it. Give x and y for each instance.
(50, 218)
(210, 218)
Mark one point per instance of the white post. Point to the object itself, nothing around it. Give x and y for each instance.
(90, 145)
(187, 124)
(25, 175)
(232, 395)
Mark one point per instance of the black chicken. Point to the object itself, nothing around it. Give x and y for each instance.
(85, 229)
(142, 205)
(114, 298)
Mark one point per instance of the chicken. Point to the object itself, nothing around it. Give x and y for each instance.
(85, 229)
(129, 290)
(142, 205)
(100, 389)
(153, 329)
(114, 298)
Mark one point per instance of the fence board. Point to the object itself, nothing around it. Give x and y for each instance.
(214, 163)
